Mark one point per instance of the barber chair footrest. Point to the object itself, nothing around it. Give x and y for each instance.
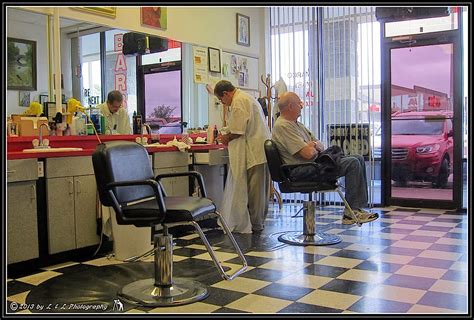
(300, 239)
(145, 293)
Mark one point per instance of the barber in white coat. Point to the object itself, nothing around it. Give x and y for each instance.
(246, 194)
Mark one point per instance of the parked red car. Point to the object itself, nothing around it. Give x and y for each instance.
(422, 147)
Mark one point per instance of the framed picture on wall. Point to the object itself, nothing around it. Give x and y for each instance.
(21, 64)
(43, 98)
(214, 60)
(243, 30)
(24, 98)
(155, 17)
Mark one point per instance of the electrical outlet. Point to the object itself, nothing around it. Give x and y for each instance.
(40, 169)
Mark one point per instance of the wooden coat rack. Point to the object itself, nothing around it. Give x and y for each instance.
(268, 96)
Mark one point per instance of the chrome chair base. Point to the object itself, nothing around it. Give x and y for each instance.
(317, 239)
(145, 293)
(309, 236)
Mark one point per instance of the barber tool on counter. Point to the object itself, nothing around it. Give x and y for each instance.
(185, 136)
(137, 123)
(74, 106)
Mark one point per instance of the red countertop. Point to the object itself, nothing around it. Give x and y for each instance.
(15, 145)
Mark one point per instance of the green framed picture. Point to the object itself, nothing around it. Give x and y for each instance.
(21, 64)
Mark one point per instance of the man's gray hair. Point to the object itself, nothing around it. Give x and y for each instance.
(113, 96)
(222, 86)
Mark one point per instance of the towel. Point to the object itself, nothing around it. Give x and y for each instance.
(180, 145)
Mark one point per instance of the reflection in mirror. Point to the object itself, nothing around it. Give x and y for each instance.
(31, 26)
(89, 81)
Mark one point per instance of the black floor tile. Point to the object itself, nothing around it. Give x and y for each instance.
(447, 248)
(188, 252)
(15, 287)
(228, 310)
(434, 228)
(348, 286)
(456, 235)
(222, 297)
(324, 271)
(266, 274)
(444, 300)
(298, 307)
(379, 266)
(454, 275)
(352, 254)
(281, 291)
(402, 251)
(372, 305)
(412, 282)
(251, 260)
(431, 263)
(396, 230)
(311, 258)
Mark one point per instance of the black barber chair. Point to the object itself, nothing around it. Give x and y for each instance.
(125, 182)
(280, 174)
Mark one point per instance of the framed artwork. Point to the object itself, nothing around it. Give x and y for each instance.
(104, 11)
(24, 98)
(21, 64)
(155, 17)
(43, 98)
(214, 60)
(243, 30)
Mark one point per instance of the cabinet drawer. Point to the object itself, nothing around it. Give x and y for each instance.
(22, 170)
(68, 166)
(169, 159)
(213, 157)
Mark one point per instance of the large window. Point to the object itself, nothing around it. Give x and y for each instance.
(90, 66)
(331, 58)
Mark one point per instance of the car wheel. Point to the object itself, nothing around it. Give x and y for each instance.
(442, 179)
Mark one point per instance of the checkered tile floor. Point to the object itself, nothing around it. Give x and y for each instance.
(408, 261)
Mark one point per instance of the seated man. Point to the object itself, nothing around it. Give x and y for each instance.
(296, 144)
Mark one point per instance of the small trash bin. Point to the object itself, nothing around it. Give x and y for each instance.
(129, 241)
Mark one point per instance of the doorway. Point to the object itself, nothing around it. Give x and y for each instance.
(422, 113)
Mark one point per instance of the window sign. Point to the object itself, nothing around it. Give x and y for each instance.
(120, 70)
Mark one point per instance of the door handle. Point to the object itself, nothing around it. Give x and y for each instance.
(71, 186)
(33, 192)
(78, 186)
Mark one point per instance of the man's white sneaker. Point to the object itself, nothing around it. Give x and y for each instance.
(361, 214)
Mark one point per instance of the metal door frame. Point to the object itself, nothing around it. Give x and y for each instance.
(388, 43)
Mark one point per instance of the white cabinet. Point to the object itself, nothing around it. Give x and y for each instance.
(172, 162)
(212, 167)
(71, 195)
(22, 217)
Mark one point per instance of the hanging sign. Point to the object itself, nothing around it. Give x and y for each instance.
(352, 138)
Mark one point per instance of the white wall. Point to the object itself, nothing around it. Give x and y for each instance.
(206, 26)
(29, 26)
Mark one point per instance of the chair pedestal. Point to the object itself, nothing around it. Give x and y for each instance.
(163, 290)
(309, 237)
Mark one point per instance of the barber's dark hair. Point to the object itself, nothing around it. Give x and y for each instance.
(113, 96)
(222, 86)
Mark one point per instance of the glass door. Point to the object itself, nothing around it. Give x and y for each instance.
(422, 148)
